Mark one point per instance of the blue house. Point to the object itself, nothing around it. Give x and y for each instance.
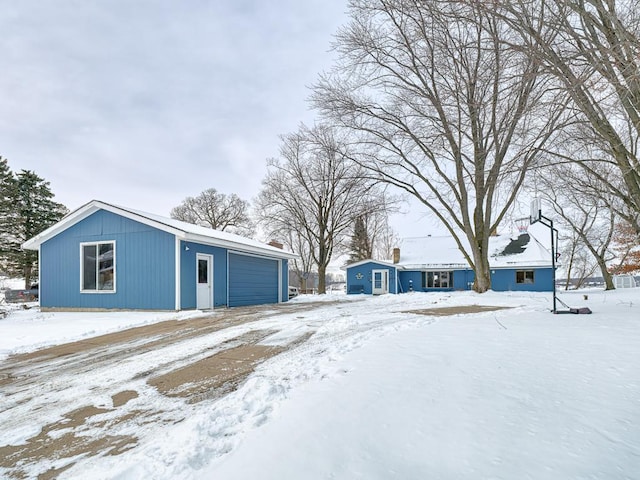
(427, 264)
(102, 256)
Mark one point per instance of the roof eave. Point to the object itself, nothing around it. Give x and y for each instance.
(369, 260)
(216, 242)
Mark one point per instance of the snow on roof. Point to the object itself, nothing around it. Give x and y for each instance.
(505, 251)
(183, 230)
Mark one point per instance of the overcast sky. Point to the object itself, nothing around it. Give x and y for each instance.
(143, 103)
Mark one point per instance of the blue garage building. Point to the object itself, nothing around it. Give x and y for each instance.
(427, 264)
(103, 256)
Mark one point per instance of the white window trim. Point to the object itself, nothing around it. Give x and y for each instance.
(115, 273)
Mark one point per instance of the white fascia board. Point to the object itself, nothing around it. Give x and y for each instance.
(436, 266)
(369, 260)
(66, 222)
(87, 210)
(240, 247)
(532, 265)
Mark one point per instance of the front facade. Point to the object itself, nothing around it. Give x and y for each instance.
(372, 278)
(107, 257)
(431, 264)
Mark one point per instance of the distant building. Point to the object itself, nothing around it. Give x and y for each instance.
(624, 281)
(427, 264)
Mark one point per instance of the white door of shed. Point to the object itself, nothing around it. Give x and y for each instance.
(204, 286)
(380, 279)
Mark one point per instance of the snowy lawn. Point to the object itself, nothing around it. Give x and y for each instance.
(379, 393)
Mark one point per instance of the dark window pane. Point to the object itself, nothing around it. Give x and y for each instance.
(524, 276)
(105, 266)
(203, 271)
(89, 267)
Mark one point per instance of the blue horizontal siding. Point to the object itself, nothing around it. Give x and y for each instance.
(504, 280)
(145, 266)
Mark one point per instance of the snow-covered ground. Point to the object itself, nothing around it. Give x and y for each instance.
(379, 393)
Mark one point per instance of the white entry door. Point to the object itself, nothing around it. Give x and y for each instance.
(380, 279)
(204, 279)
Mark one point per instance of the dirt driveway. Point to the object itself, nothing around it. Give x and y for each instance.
(71, 398)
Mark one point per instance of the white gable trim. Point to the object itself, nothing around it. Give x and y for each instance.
(86, 211)
(95, 205)
(369, 260)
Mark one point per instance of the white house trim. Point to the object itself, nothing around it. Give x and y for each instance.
(177, 273)
(181, 230)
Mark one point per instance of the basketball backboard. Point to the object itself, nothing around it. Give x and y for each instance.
(536, 210)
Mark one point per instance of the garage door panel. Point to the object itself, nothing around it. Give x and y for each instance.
(252, 280)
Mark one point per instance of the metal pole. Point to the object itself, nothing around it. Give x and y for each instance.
(549, 223)
(553, 265)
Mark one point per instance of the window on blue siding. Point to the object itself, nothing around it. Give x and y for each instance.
(98, 267)
(524, 276)
(203, 271)
(437, 279)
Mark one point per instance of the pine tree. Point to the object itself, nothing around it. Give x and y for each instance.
(360, 248)
(34, 210)
(8, 187)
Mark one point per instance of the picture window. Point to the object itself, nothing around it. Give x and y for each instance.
(97, 267)
(524, 276)
(437, 279)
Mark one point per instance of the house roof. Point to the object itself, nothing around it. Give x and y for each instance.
(530, 249)
(182, 230)
(369, 260)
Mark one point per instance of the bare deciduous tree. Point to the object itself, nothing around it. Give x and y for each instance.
(314, 192)
(591, 47)
(576, 260)
(441, 106)
(303, 265)
(588, 216)
(216, 210)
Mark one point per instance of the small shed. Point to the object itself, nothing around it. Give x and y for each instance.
(434, 263)
(103, 256)
(624, 281)
(372, 277)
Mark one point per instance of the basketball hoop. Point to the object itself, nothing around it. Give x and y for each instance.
(522, 224)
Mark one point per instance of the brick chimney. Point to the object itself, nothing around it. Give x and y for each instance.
(275, 243)
(396, 255)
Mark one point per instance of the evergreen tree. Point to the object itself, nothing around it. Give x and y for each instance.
(360, 248)
(7, 211)
(33, 211)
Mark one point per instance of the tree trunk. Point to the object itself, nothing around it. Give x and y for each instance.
(608, 278)
(480, 249)
(569, 267)
(322, 283)
(27, 277)
(482, 282)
